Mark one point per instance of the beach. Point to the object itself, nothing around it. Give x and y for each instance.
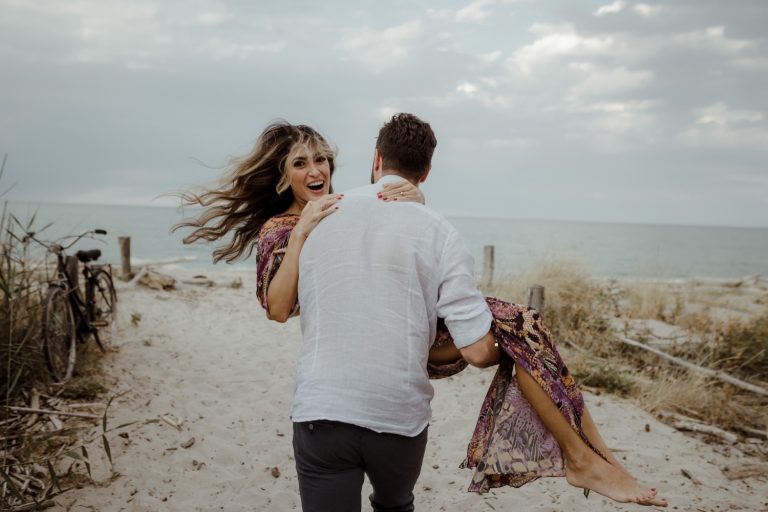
(208, 381)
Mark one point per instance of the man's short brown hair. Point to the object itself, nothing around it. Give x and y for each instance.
(406, 144)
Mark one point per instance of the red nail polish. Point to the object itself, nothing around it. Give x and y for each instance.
(395, 199)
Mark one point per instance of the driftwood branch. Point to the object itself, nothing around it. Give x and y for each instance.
(30, 506)
(698, 369)
(701, 428)
(681, 422)
(56, 413)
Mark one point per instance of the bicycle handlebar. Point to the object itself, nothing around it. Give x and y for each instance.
(58, 247)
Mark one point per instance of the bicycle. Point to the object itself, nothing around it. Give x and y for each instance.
(68, 317)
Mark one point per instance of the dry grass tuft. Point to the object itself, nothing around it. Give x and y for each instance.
(605, 376)
(736, 346)
(579, 312)
(21, 297)
(700, 398)
(652, 301)
(576, 309)
(31, 446)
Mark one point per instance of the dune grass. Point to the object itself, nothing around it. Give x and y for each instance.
(581, 313)
(30, 450)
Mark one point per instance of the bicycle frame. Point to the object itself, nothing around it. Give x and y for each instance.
(78, 305)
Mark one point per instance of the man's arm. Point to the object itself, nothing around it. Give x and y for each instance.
(462, 306)
(483, 353)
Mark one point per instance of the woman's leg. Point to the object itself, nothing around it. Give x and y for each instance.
(583, 467)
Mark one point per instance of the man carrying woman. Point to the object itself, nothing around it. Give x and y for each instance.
(372, 281)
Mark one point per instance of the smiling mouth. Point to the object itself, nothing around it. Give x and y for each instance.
(316, 185)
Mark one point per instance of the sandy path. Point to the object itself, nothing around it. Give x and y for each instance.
(208, 358)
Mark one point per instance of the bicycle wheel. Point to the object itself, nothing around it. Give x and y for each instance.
(104, 310)
(59, 335)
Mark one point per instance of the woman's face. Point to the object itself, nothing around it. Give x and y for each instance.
(309, 172)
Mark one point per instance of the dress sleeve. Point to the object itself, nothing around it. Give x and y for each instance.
(270, 249)
(440, 371)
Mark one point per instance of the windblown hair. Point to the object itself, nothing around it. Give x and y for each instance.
(255, 188)
(406, 144)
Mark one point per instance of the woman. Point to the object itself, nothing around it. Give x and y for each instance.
(533, 421)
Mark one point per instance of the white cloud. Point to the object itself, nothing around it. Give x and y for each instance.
(467, 88)
(475, 11)
(214, 17)
(612, 8)
(718, 125)
(559, 41)
(750, 63)
(601, 81)
(385, 113)
(490, 57)
(615, 107)
(494, 143)
(713, 39)
(221, 49)
(381, 49)
(513, 142)
(612, 126)
(440, 14)
(648, 10)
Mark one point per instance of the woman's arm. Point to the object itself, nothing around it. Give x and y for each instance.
(283, 290)
(445, 354)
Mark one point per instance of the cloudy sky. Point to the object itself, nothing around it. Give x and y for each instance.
(582, 110)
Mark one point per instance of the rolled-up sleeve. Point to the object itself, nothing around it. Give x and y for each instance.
(459, 302)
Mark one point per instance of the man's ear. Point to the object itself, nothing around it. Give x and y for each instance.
(377, 166)
(426, 173)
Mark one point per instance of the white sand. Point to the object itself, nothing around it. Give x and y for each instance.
(209, 358)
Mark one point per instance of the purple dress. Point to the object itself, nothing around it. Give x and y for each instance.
(510, 445)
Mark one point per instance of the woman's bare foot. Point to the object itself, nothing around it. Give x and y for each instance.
(593, 473)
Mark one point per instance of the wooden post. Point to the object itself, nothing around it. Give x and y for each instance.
(488, 264)
(536, 297)
(125, 257)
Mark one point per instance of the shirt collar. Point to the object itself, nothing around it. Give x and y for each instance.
(389, 178)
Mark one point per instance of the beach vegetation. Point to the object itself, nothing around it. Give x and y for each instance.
(652, 301)
(577, 309)
(706, 326)
(604, 376)
(35, 442)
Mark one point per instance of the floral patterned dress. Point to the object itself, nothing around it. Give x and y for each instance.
(510, 445)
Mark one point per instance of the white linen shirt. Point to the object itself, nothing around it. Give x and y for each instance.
(373, 279)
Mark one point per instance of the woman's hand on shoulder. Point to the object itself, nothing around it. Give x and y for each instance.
(401, 191)
(314, 212)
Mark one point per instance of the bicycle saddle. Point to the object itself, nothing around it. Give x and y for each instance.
(86, 256)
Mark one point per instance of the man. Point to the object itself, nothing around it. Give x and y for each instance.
(374, 277)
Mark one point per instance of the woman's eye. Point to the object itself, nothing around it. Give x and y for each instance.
(321, 158)
(298, 163)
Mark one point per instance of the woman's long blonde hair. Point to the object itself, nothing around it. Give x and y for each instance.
(256, 188)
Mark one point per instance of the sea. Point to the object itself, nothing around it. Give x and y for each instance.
(603, 249)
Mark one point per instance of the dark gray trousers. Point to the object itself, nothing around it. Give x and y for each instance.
(332, 458)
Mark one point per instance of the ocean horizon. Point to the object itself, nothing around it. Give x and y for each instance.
(603, 249)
